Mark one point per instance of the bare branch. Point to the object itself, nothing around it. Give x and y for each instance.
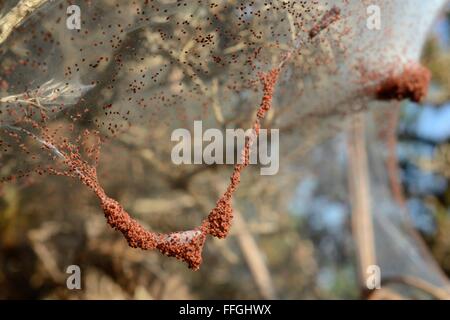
(16, 16)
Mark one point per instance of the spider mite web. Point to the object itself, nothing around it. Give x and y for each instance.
(153, 66)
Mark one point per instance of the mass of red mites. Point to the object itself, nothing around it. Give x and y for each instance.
(219, 219)
(411, 84)
(186, 245)
(186, 248)
(328, 18)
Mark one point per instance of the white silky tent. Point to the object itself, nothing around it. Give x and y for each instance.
(324, 91)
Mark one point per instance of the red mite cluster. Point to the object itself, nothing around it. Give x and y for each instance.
(186, 246)
(328, 18)
(412, 83)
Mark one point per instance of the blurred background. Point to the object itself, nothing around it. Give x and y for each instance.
(294, 235)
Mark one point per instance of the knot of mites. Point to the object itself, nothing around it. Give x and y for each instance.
(220, 218)
(134, 233)
(114, 213)
(411, 84)
(186, 246)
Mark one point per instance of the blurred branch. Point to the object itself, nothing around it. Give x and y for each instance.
(175, 203)
(420, 284)
(216, 105)
(359, 187)
(441, 162)
(254, 257)
(16, 16)
(390, 136)
(38, 237)
(385, 294)
(252, 254)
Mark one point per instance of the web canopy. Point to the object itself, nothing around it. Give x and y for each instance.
(143, 69)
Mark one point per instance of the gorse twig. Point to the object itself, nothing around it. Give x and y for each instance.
(16, 16)
(50, 93)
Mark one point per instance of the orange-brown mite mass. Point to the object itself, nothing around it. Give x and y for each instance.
(411, 84)
(331, 16)
(184, 245)
(219, 219)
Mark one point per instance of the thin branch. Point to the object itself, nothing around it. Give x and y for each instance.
(254, 257)
(420, 284)
(16, 16)
(359, 185)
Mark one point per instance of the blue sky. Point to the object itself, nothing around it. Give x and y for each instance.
(434, 123)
